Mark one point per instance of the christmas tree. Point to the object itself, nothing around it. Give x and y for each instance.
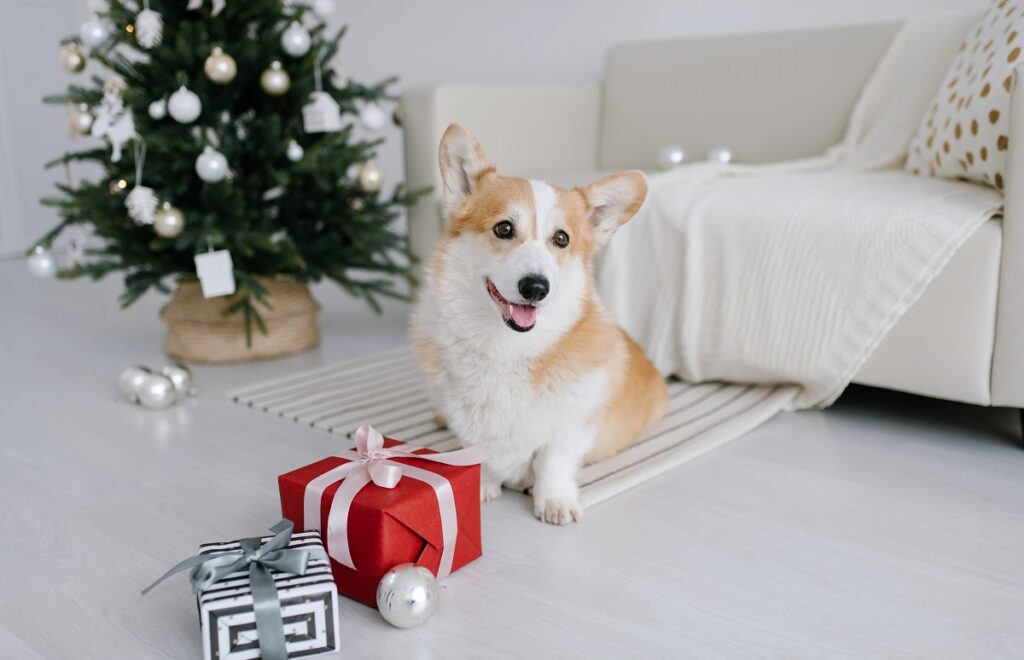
(226, 130)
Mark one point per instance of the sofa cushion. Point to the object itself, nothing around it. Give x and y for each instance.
(965, 134)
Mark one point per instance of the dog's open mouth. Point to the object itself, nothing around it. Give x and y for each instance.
(520, 318)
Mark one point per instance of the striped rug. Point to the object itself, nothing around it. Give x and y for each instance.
(386, 391)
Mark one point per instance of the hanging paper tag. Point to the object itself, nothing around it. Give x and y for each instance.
(216, 273)
(321, 114)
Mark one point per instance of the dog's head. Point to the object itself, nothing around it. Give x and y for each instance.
(526, 246)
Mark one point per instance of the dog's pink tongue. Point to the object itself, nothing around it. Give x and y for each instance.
(524, 315)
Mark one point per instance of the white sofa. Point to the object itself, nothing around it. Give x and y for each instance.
(963, 340)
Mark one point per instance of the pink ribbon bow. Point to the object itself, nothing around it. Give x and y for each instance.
(371, 462)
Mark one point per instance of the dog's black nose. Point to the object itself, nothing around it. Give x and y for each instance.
(534, 287)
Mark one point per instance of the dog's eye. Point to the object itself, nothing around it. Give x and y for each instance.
(560, 239)
(504, 230)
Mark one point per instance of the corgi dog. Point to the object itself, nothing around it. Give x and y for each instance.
(517, 350)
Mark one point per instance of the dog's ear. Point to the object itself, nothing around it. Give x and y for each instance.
(462, 163)
(612, 201)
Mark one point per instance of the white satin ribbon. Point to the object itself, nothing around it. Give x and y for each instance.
(371, 462)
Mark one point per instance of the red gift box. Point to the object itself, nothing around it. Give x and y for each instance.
(391, 526)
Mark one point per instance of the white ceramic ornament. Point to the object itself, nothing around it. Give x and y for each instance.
(275, 80)
(149, 27)
(211, 165)
(407, 595)
(323, 8)
(168, 221)
(321, 114)
(80, 120)
(71, 59)
(215, 271)
(184, 106)
(157, 392)
(115, 122)
(372, 117)
(371, 177)
(295, 40)
(720, 155)
(132, 380)
(41, 263)
(95, 32)
(158, 109)
(220, 67)
(181, 378)
(141, 203)
(295, 152)
(671, 156)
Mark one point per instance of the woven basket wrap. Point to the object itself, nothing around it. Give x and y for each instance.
(198, 331)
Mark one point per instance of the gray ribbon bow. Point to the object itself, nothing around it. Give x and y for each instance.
(207, 570)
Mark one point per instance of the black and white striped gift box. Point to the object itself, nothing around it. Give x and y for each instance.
(309, 608)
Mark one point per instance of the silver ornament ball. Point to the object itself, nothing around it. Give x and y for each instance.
(407, 595)
(41, 263)
(157, 392)
(181, 378)
(80, 120)
(211, 165)
(220, 67)
(295, 152)
(72, 60)
(132, 380)
(184, 106)
(168, 221)
(296, 40)
(720, 155)
(95, 32)
(671, 156)
(371, 177)
(158, 109)
(275, 80)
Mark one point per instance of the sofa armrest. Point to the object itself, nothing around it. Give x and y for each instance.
(527, 130)
(1008, 354)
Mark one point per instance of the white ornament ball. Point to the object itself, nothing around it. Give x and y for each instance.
(719, 155)
(158, 109)
(184, 106)
(95, 32)
(72, 60)
(132, 380)
(168, 221)
(211, 165)
(339, 79)
(181, 378)
(671, 156)
(157, 392)
(407, 595)
(295, 152)
(220, 67)
(323, 8)
(296, 40)
(275, 80)
(41, 263)
(372, 117)
(80, 120)
(371, 177)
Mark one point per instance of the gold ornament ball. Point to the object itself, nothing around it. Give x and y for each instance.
(371, 177)
(275, 80)
(72, 60)
(168, 221)
(220, 67)
(80, 120)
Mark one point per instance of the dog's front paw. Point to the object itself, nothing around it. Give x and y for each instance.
(558, 507)
(489, 492)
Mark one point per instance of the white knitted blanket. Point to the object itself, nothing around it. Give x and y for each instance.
(794, 272)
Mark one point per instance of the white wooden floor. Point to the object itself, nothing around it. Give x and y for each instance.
(887, 526)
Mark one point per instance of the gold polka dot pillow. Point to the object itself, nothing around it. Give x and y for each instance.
(965, 134)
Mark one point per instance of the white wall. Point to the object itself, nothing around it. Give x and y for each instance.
(466, 41)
